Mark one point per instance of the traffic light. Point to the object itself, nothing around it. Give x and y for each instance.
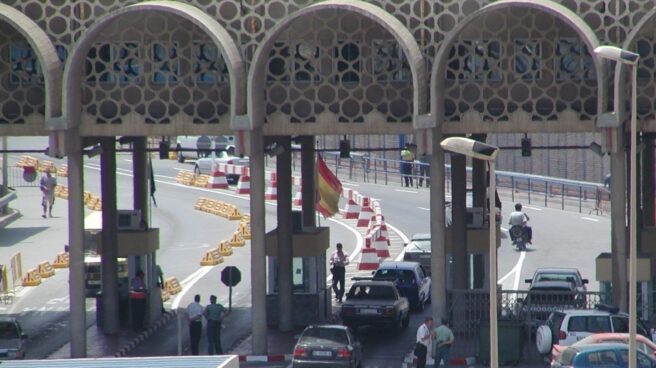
(526, 147)
(344, 149)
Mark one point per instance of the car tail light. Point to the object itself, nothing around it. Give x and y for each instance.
(343, 353)
(562, 335)
(388, 311)
(300, 352)
(229, 162)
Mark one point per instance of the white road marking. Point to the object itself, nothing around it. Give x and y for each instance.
(403, 237)
(532, 208)
(127, 160)
(424, 209)
(189, 282)
(406, 191)
(590, 219)
(350, 184)
(515, 270)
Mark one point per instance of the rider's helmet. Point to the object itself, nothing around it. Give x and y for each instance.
(518, 207)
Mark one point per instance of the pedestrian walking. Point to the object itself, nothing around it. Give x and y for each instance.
(424, 338)
(47, 185)
(424, 170)
(443, 337)
(137, 296)
(407, 157)
(214, 313)
(338, 261)
(195, 315)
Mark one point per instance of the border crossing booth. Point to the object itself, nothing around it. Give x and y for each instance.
(645, 287)
(311, 298)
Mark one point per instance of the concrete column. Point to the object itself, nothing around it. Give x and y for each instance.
(307, 175)
(459, 223)
(618, 197)
(648, 183)
(77, 300)
(479, 178)
(437, 228)
(141, 178)
(285, 251)
(109, 254)
(258, 254)
(5, 182)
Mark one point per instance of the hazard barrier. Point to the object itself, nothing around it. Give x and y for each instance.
(298, 197)
(271, 193)
(93, 201)
(368, 259)
(245, 230)
(185, 178)
(217, 179)
(200, 203)
(351, 208)
(365, 213)
(201, 181)
(211, 258)
(45, 270)
(380, 244)
(27, 161)
(47, 166)
(172, 285)
(62, 171)
(165, 295)
(237, 240)
(87, 196)
(32, 278)
(218, 208)
(61, 260)
(224, 248)
(173, 155)
(244, 185)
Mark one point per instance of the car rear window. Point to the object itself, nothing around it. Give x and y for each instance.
(324, 334)
(602, 358)
(362, 292)
(402, 276)
(422, 245)
(8, 330)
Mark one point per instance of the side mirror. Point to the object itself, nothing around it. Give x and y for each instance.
(405, 244)
(528, 281)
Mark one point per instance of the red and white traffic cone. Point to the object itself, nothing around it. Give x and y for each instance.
(380, 244)
(244, 185)
(298, 197)
(217, 179)
(365, 213)
(271, 193)
(368, 259)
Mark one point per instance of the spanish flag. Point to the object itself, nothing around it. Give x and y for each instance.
(329, 188)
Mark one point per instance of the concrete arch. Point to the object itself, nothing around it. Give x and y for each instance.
(546, 6)
(75, 63)
(45, 52)
(257, 72)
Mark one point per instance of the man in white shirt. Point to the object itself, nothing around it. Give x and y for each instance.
(423, 345)
(47, 185)
(338, 261)
(519, 218)
(195, 316)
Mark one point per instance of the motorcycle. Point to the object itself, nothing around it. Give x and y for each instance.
(519, 237)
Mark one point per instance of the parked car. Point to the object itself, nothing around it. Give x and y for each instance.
(547, 296)
(327, 345)
(559, 274)
(375, 302)
(204, 165)
(12, 339)
(419, 250)
(643, 343)
(569, 326)
(601, 355)
(200, 146)
(411, 280)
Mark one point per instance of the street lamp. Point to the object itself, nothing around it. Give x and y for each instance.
(482, 151)
(631, 59)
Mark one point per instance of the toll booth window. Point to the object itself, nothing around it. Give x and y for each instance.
(300, 274)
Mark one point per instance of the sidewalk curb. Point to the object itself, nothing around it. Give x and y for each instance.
(10, 217)
(164, 319)
(410, 361)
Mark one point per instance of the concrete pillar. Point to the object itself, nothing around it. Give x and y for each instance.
(648, 182)
(285, 251)
(109, 254)
(77, 302)
(258, 254)
(459, 223)
(618, 197)
(307, 176)
(5, 182)
(141, 178)
(479, 178)
(437, 228)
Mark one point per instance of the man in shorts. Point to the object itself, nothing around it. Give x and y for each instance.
(47, 185)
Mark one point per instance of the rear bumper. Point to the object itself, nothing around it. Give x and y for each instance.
(300, 363)
(368, 320)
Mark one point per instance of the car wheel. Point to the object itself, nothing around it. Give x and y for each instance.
(543, 339)
(196, 170)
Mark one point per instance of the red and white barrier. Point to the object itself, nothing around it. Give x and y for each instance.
(365, 213)
(380, 244)
(368, 259)
(298, 197)
(351, 208)
(244, 185)
(217, 179)
(271, 193)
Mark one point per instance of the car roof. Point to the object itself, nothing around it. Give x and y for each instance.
(602, 346)
(591, 312)
(556, 270)
(421, 237)
(7, 319)
(603, 336)
(400, 265)
(337, 327)
(374, 283)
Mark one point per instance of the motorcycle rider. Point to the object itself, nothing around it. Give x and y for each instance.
(519, 218)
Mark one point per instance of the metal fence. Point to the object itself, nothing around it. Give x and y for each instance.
(469, 316)
(19, 177)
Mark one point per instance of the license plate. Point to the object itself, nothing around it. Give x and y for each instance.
(322, 353)
(368, 311)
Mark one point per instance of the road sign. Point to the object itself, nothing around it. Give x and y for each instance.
(230, 276)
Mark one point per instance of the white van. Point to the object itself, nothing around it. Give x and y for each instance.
(199, 146)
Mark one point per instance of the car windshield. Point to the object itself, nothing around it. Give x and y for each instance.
(421, 245)
(323, 334)
(402, 276)
(556, 277)
(362, 292)
(8, 330)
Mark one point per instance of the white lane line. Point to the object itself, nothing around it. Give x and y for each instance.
(403, 237)
(515, 270)
(532, 208)
(590, 219)
(406, 191)
(350, 184)
(424, 209)
(188, 283)
(127, 160)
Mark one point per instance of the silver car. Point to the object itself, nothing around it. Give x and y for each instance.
(419, 250)
(204, 165)
(12, 339)
(327, 346)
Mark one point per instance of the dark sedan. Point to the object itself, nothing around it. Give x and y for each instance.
(327, 346)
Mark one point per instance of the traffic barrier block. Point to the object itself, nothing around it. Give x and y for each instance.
(172, 285)
(32, 278)
(380, 244)
(45, 270)
(98, 206)
(165, 295)
(224, 248)
(245, 230)
(351, 209)
(271, 193)
(200, 203)
(368, 259)
(233, 213)
(47, 166)
(298, 197)
(173, 155)
(237, 240)
(365, 213)
(87, 197)
(91, 203)
(201, 181)
(61, 261)
(62, 171)
(211, 258)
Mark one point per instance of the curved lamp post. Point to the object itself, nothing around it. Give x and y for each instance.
(486, 152)
(631, 59)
